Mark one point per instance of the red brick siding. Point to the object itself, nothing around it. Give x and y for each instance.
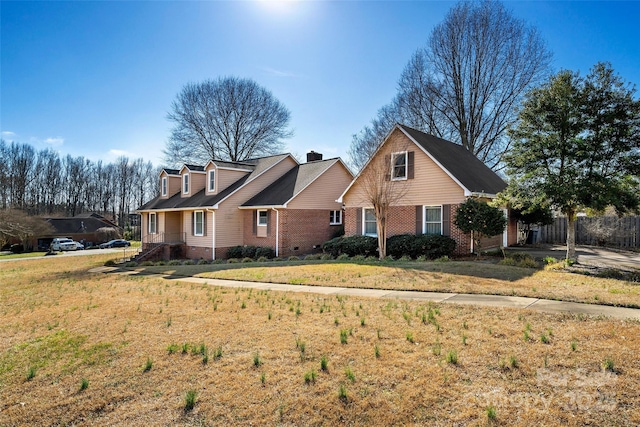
(251, 239)
(197, 252)
(304, 229)
(402, 220)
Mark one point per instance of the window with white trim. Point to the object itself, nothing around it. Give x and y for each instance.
(212, 180)
(164, 185)
(198, 223)
(369, 223)
(399, 166)
(262, 217)
(432, 220)
(152, 223)
(335, 217)
(185, 183)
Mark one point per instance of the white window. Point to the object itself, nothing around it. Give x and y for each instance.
(262, 218)
(433, 220)
(198, 223)
(369, 223)
(335, 217)
(212, 180)
(152, 223)
(399, 166)
(164, 185)
(185, 184)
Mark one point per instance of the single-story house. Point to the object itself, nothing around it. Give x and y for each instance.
(274, 201)
(432, 177)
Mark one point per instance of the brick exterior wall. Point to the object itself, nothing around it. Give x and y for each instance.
(402, 220)
(302, 231)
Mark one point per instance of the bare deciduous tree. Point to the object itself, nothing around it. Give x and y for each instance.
(227, 119)
(465, 85)
(381, 191)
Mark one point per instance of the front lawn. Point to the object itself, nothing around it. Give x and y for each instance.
(475, 277)
(105, 349)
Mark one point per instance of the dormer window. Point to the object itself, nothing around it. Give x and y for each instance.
(212, 180)
(399, 166)
(164, 185)
(185, 184)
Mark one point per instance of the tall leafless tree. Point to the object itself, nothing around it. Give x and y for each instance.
(226, 119)
(467, 82)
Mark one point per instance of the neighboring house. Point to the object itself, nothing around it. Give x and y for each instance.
(274, 201)
(83, 227)
(434, 177)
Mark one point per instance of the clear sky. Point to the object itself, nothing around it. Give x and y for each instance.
(96, 79)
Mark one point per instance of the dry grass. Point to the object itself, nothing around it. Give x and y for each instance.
(455, 276)
(72, 327)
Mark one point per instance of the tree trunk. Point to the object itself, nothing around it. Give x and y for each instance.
(571, 235)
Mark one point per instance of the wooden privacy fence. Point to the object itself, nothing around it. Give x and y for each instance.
(596, 231)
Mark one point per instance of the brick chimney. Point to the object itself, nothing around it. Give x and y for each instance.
(312, 156)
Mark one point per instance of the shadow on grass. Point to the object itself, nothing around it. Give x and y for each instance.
(485, 269)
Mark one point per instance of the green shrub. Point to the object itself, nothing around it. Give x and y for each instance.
(352, 245)
(203, 261)
(247, 259)
(508, 261)
(326, 257)
(110, 263)
(264, 251)
(343, 257)
(430, 246)
(293, 258)
(161, 262)
(263, 259)
(175, 262)
(235, 252)
(218, 261)
(232, 261)
(135, 264)
(404, 258)
(249, 251)
(359, 258)
(189, 262)
(312, 257)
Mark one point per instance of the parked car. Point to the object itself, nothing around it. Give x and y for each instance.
(79, 245)
(63, 244)
(116, 243)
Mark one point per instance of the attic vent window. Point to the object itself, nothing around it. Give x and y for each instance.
(399, 166)
(212, 180)
(164, 185)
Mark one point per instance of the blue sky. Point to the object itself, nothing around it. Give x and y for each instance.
(96, 79)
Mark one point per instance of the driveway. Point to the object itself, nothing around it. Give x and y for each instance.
(590, 255)
(67, 254)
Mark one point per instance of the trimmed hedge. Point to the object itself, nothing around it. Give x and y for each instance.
(432, 246)
(248, 251)
(408, 245)
(352, 246)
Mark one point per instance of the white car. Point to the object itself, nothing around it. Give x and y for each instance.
(79, 245)
(63, 244)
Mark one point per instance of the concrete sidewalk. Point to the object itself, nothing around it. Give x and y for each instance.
(542, 305)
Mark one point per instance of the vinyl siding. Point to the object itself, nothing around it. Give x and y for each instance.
(173, 184)
(324, 191)
(225, 178)
(187, 226)
(430, 186)
(229, 219)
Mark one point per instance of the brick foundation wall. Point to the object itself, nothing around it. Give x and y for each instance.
(197, 252)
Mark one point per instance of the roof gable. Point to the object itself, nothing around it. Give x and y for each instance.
(463, 167)
(288, 186)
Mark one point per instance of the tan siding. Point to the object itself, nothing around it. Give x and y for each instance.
(187, 226)
(225, 178)
(160, 223)
(173, 185)
(430, 186)
(324, 191)
(229, 224)
(198, 181)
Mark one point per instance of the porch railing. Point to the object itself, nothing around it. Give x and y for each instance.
(163, 238)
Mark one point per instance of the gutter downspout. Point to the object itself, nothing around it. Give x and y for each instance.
(277, 231)
(213, 233)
